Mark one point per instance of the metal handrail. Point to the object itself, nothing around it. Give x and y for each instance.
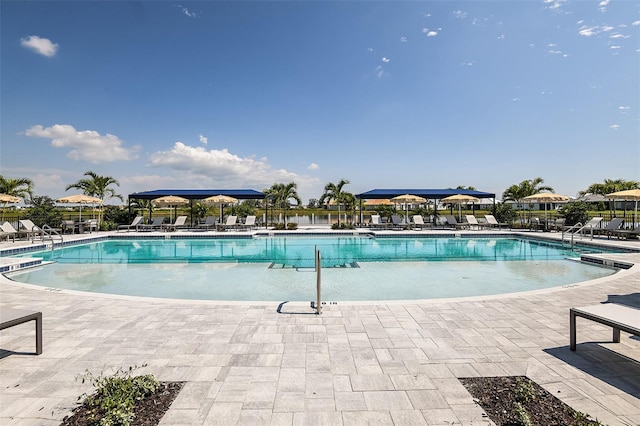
(50, 232)
(571, 231)
(318, 282)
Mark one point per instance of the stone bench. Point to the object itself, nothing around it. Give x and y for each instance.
(10, 317)
(619, 317)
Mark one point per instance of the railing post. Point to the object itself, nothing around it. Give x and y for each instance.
(318, 282)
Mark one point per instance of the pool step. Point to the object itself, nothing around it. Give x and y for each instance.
(274, 265)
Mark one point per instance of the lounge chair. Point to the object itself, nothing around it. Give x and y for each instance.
(8, 229)
(32, 229)
(473, 221)
(376, 222)
(418, 222)
(68, 226)
(179, 223)
(135, 223)
(627, 233)
(493, 222)
(210, 222)
(231, 223)
(397, 222)
(155, 224)
(613, 225)
(452, 222)
(591, 225)
(558, 225)
(249, 223)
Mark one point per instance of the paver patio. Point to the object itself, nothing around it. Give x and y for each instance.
(357, 363)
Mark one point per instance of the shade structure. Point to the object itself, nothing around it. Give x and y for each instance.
(8, 199)
(221, 200)
(546, 197)
(460, 199)
(170, 201)
(408, 199)
(79, 199)
(627, 195)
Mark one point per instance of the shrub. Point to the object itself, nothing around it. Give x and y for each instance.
(574, 212)
(115, 395)
(43, 211)
(292, 226)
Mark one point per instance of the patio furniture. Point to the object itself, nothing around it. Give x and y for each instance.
(473, 221)
(31, 228)
(418, 222)
(135, 223)
(452, 222)
(493, 222)
(627, 233)
(10, 317)
(619, 317)
(611, 227)
(9, 230)
(376, 222)
(155, 224)
(231, 223)
(179, 223)
(249, 223)
(210, 222)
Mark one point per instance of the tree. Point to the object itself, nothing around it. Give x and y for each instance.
(609, 186)
(43, 211)
(334, 192)
(21, 187)
(279, 194)
(97, 186)
(524, 189)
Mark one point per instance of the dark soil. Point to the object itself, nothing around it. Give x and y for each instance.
(500, 396)
(147, 411)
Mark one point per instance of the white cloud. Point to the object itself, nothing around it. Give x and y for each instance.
(370, 49)
(623, 108)
(635, 23)
(459, 14)
(603, 5)
(618, 35)
(86, 145)
(187, 12)
(42, 46)
(403, 39)
(614, 127)
(313, 166)
(385, 60)
(203, 139)
(588, 31)
(429, 33)
(380, 72)
(220, 168)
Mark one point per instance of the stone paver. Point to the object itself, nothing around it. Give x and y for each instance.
(358, 363)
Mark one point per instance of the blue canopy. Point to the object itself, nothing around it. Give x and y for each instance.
(430, 194)
(199, 194)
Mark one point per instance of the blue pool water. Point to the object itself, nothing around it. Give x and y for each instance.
(281, 268)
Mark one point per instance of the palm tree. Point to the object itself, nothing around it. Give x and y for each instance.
(609, 186)
(334, 192)
(21, 187)
(97, 186)
(524, 189)
(281, 193)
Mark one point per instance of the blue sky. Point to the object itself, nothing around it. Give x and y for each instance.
(245, 94)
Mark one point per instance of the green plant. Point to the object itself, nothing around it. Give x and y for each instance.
(115, 395)
(574, 212)
(583, 419)
(342, 226)
(292, 226)
(43, 211)
(504, 213)
(525, 390)
(522, 415)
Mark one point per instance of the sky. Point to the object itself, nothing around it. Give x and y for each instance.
(384, 94)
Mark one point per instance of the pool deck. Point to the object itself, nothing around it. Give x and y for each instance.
(387, 363)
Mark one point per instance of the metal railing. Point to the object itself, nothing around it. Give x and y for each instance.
(318, 282)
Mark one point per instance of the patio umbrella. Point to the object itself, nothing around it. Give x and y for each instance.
(629, 194)
(170, 201)
(408, 199)
(460, 199)
(220, 199)
(79, 199)
(546, 197)
(6, 199)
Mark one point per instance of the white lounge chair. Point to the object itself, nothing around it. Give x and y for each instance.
(31, 228)
(9, 230)
(451, 221)
(619, 317)
(493, 222)
(135, 223)
(179, 223)
(231, 223)
(376, 222)
(249, 223)
(473, 221)
(418, 222)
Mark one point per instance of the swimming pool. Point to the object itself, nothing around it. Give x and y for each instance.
(281, 268)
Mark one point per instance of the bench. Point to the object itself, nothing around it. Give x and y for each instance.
(10, 317)
(619, 317)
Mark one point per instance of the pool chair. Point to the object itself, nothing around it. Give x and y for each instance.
(473, 222)
(613, 225)
(179, 223)
(591, 226)
(9, 230)
(249, 223)
(627, 233)
(231, 223)
(32, 229)
(376, 222)
(452, 222)
(209, 222)
(397, 222)
(156, 224)
(134, 224)
(493, 222)
(418, 222)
